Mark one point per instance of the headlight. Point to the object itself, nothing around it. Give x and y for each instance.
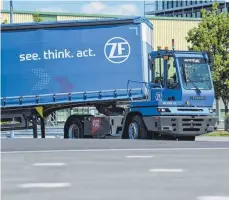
(187, 103)
(163, 110)
(212, 110)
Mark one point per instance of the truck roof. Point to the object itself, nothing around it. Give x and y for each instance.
(75, 23)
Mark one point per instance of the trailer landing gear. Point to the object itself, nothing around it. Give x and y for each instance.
(34, 122)
(42, 128)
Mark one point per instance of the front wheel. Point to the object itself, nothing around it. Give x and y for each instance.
(137, 129)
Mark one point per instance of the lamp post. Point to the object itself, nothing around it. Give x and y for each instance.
(144, 7)
(11, 11)
(225, 5)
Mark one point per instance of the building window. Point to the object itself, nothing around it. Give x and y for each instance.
(194, 14)
(177, 3)
(181, 3)
(165, 4)
(198, 15)
(170, 4)
(159, 5)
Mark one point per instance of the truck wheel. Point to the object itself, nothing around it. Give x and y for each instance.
(73, 128)
(187, 138)
(136, 129)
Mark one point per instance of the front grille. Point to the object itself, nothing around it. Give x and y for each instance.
(192, 120)
(191, 109)
(186, 124)
(192, 124)
(191, 129)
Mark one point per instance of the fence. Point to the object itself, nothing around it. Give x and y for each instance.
(51, 132)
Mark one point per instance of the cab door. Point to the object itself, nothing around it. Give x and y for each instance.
(157, 78)
(172, 88)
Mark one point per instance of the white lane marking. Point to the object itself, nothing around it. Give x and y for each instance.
(44, 185)
(166, 170)
(139, 156)
(48, 164)
(107, 150)
(213, 198)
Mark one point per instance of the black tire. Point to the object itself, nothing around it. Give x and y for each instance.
(74, 125)
(187, 138)
(142, 131)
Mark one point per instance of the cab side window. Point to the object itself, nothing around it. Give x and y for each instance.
(158, 73)
(172, 77)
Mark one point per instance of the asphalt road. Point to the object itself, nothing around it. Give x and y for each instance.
(34, 169)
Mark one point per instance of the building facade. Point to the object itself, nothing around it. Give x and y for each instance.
(165, 28)
(186, 8)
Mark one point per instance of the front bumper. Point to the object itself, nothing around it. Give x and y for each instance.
(181, 125)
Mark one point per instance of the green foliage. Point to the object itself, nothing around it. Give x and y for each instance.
(37, 17)
(212, 36)
(5, 21)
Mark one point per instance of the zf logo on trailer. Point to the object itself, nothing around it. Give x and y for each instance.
(117, 50)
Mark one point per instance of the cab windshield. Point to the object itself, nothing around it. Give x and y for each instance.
(195, 73)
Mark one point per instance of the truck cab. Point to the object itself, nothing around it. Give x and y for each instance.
(179, 98)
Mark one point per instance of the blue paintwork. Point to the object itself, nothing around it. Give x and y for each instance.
(152, 111)
(41, 76)
(181, 95)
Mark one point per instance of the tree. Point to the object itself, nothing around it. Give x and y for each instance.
(212, 36)
(37, 17)
(5, 21)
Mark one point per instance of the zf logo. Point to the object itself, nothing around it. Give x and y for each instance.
(117, 50)
(158, 96)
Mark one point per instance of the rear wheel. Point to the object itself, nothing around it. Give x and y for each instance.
(73, 128)
(137, 129)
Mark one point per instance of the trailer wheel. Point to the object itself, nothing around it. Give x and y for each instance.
(73, 128)
(136, 128)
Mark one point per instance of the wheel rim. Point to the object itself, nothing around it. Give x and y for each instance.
(74, 131)
(133, 130)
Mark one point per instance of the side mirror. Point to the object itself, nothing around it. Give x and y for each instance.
(210, 61)
(152, 64)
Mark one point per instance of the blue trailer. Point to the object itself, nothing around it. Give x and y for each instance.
(105, 63)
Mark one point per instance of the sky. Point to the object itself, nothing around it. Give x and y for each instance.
(85, 7)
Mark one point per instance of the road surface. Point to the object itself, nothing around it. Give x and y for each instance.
(90, 169)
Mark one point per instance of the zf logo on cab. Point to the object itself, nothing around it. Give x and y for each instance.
(117, 50)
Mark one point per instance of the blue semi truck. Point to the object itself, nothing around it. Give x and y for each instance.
(109, 64)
